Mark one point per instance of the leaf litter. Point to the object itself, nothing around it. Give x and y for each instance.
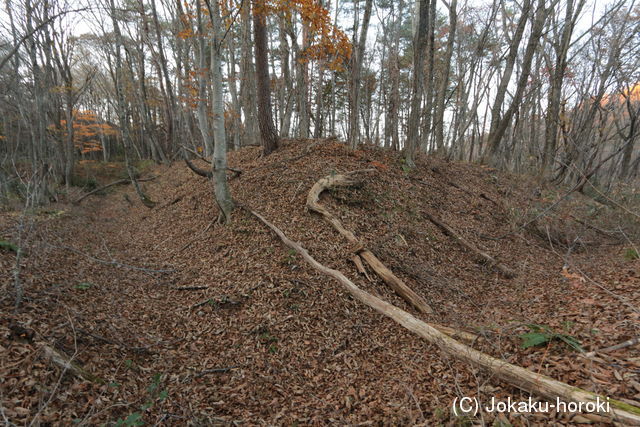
(263, 338)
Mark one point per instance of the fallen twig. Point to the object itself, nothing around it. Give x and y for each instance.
(190, 288)
(506, 271)
(215, 371)
(190, 242)
(627, 343)
(201, 303)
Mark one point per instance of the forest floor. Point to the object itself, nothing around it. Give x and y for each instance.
(259, 337)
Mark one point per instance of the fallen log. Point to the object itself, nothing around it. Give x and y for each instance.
(517, 376)
(485, 257)
(381, 270)
(111, 184)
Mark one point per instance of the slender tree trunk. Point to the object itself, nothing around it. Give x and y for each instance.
(233, 91)
(354, 83)
(169, 99)
(394, 101)
(203, 75)
(425, 140)
(220, 184)
(302, 85)
(561, 48)
(419, 42)
(444, 81)
(265, 115)
(286, 106)
(500, 123)
(248, 80)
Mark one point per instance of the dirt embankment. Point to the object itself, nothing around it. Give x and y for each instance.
(211, 323)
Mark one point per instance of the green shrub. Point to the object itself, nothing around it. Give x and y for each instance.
(541, 334)
(631, 254)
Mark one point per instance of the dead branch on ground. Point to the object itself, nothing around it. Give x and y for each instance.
(111, 184)
(206, 173)
(66, 363)
(517, 376)
(485, 257)
(190, 288)
(625, 344)
(333, 181)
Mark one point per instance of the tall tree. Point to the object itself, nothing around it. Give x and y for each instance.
(421, 20)
(441, 93)
(356, 70)
(560, 42)
(500, 122)
(220, 183)
(265, 116)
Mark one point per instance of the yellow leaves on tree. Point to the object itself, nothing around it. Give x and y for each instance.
(87, 129)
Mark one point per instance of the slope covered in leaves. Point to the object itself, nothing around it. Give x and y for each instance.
(186, 320)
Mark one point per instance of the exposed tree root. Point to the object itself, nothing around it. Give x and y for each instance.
(381, 270)
(485, 257)
(515, 375)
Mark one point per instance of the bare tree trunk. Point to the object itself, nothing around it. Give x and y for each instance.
(203, 74)
(441, 93)
(265, 116)
(248, 80)
(499, 123)
(561, 48)
(354, 82)
(286, 106)
(632, 136)
(419, 42)
(169, 98)
(424, 138)
(318, 129)
(233, 91)
(220, 184)
(302, 85)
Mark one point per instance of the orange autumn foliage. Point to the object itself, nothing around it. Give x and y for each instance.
(87, 129)
(326, 41)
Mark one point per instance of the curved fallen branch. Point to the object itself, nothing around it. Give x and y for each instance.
(517, 376)
(381, 270)
(201, 172)
(485, 257)
(207, 173)
(111, 184)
